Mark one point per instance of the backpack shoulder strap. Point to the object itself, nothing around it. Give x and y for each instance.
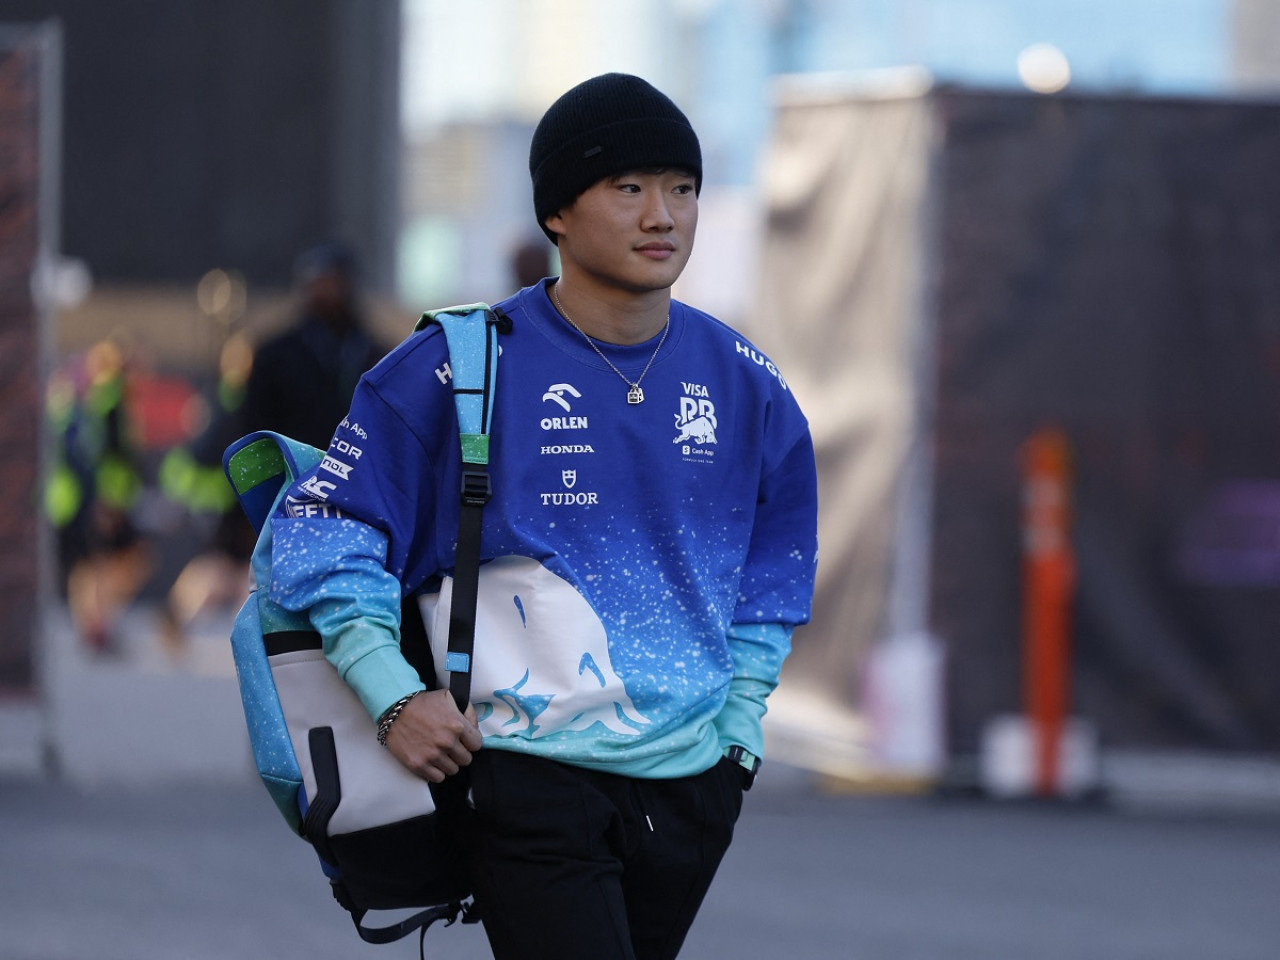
(472, 335)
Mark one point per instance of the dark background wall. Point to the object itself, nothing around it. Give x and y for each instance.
(228, 134)
(1108, 266)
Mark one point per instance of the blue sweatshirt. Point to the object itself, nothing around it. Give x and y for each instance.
(644, 565)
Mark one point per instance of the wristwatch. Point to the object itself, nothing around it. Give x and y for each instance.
(747, 760)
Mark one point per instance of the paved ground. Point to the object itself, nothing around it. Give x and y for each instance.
(211, 873)
(198, 866)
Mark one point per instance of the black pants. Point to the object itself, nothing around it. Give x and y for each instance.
(572, 864)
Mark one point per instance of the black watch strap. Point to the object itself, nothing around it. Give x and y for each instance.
(745, 759)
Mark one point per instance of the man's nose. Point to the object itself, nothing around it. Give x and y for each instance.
(657, 215)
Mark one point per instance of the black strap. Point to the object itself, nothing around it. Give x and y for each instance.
(466, 583)
(447, 912)
(477, 490)
(321, 808)
(291, 641)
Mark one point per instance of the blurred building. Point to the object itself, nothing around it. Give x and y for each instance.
(718, 59)
(199, 135)
(1255, 67)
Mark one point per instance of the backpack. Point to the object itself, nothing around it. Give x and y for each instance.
(375, 826)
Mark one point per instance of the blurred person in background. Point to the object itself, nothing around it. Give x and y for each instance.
(94, 482)
(298, 383)
(303, 380)
(191, 476)
(651, 545)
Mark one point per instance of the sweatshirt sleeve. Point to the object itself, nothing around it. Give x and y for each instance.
(758, 650)
(334, 568)
(349, 534)
(781, 562)
(776, 590)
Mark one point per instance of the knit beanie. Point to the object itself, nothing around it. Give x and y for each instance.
(609, 124)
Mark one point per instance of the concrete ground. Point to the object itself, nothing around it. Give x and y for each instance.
(132, 828)
(209, 872)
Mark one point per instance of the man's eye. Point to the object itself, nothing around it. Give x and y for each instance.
(684, 189)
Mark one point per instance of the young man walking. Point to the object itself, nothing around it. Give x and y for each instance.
(649, 548)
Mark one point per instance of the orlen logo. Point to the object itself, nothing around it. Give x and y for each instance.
(555, 393)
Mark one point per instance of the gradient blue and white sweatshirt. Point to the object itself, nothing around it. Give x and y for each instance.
(644, 565)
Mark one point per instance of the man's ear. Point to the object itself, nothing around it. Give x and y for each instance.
(555, 223)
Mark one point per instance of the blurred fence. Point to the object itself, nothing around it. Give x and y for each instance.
(28, 63)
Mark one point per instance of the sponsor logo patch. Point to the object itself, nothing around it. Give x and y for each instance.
(309, 509)
(353, 428)
(336, 466)
(564, 423)
(760, 360)
(696, 424)
(571, 499)
(555, 393)
(320, 489)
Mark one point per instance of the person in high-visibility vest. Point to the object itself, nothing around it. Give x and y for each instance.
(191, 476)
(93, 485)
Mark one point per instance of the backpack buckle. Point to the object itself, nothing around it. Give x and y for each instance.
(477, 488)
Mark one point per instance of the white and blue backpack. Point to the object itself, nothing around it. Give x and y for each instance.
(379, 830)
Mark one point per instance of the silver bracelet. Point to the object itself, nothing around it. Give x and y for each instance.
(390, 716)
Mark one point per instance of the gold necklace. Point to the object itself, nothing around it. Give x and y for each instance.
(634, 393)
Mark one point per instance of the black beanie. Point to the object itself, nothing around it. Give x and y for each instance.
(609, 124)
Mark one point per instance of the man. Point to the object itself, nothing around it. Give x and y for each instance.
(302, 381)
(650, 546)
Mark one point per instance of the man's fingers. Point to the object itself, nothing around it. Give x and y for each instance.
(432, 738)
(446, 766)
(472, 739)
(461, 755)
(430, 774)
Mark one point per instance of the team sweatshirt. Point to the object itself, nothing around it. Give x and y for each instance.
(643, 564)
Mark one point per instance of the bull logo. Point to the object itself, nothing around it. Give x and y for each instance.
(523, 607)
(696, 421)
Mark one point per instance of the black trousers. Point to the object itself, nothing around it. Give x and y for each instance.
(570, 864)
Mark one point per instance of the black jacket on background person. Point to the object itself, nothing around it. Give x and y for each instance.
(303, 380)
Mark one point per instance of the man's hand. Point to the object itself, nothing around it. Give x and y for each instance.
(431, 738)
